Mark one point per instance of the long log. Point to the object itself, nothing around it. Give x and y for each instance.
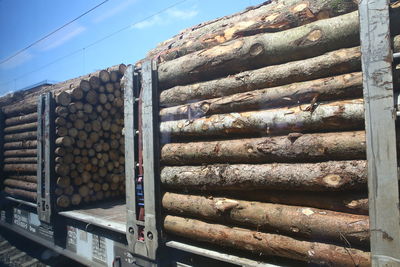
(20, 168)
(333, 116)
(21, 184)
(272, 17)
(20, 144)
(310, 223)
(21, 193)
(262, 50)
(21, 119)
(266, 244)
(323, 176)
(353, 202)
(21, 127)
(21, 160)
(325, 89)
(289, 148)
(25, 107)
(26, 178)
(20, 153)
(20, 136)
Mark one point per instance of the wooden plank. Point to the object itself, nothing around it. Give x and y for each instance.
(381, 134)
(151, 150)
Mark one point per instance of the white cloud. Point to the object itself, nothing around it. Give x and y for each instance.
(61, 37)
(19, 59)
(170, 15)
(114, 11)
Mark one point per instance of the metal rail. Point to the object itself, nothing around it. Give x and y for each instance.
(380, 116)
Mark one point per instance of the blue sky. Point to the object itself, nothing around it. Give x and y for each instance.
(24, 21)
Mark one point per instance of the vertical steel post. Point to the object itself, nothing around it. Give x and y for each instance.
(380, 119)
(45, 154)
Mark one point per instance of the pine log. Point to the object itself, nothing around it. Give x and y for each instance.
(21, 184)
(20, 153)
(22, 168)
(310, 223)
(323, 176)
(325, 89)
(25, 107)
(271, 17)
(294, 147)
(20, 145)
(20, 193)
(63, 201)
(20, 136)
(21, 119)
(63, 98)
(21, 160)
(266, 244)
(27, 178)
(261, 50)
(341, 115)
(356, 203)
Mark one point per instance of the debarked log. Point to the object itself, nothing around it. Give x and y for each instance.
(294, 147)
(325, 89)
(323, 176)
(262, 50)
(332, 63)
(20, 136)
(268, 17)
(21, 184)
(20, 153)
(21, 127)
(21, 160)
(20, 168)
(14, 192)
(265, 243)
(340, 115)
(350, 202)
(311, 223)
(21, 119)
(20, 144)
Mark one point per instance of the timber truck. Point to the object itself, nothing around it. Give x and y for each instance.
(263, 138)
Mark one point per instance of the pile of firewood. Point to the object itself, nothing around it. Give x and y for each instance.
(263, 132)
(90, 163)
(20, 151)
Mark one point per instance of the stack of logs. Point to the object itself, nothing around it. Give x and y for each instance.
(90, 146)
(20, 152)
(263, 135)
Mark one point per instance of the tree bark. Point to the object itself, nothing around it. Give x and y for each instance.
(20, 184)
(323, 176)
(18, 193)
(270, 17)
(334, 116)
(20, 153)
(20, 136)
(325, 89)
(27, 178)
(310, 223)
(23, 168)
(21, 160)
(294, 147)
(21, 145)
(353, 202)
(21, 119)
(266, 244)
(262, 50)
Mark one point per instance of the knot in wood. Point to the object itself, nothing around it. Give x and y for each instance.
(256, 49)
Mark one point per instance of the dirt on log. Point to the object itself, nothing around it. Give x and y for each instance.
(266, 244)
(310, 223)
(323, 176)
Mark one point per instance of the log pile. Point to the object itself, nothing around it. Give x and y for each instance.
(89, 142)
(262, 131)
(20, 153)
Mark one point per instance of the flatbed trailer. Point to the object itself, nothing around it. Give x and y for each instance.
(106, 233)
